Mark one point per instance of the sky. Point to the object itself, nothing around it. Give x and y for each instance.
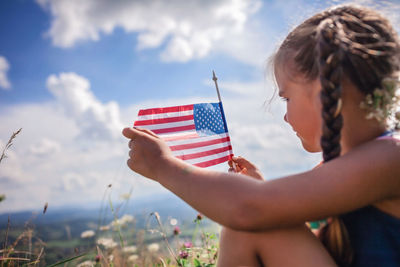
(74, 73)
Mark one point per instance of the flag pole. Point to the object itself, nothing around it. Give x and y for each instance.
(216, 86)
(222, 110)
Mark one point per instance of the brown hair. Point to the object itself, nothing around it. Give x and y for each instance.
(343, 42)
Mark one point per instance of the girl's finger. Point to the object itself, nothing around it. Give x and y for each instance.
(131, 133)
(231, 170)
(130, 164)
(130, 144)
(243, 170)
(148, 132)
(243, 162)
(230, 163)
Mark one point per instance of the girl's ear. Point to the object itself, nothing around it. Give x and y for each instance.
(315, 92)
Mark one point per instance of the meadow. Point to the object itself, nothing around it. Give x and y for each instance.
(161, 232)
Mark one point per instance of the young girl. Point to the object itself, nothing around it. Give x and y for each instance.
(338, 72)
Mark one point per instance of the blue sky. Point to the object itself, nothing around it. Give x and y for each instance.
(73, 73)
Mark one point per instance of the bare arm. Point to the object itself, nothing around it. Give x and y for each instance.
(365, 175)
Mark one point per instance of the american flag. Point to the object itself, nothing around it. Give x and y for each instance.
(196, 133)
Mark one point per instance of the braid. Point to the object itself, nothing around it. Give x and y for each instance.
(349, 42)
(330, 66)
(331, 49)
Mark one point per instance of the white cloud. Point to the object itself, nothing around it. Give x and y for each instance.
(390, 9)
(4, 67)
(188, 29)
(48, 164)
(95, 120)
(45, 147)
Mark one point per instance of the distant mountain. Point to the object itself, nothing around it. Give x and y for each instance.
(166, 205)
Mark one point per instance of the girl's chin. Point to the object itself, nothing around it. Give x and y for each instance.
(310, 148)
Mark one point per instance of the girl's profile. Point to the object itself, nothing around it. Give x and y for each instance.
(339, 74)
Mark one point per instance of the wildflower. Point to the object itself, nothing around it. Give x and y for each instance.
(87, 234)
(107, 242)
(97, 258)
(104, 228)
(199, 217)
(177, 230)
(188, 244)
(173, 221)
(125, 196)
(45, 207)
(133, 258)
(130, 249)
(183, 254)
(154, 247)
(382, 102)
(123, 220)
(111, 258)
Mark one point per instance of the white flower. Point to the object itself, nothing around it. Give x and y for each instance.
(86, 264)
(133, 258)
(106, 242)
(154, 247)
(87, 234)
(125, 196)
(123, 220)
(111, 258)
(130, 249)
(104, 228)
(173, 221)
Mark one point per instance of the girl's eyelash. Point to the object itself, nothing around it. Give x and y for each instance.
(284, 99)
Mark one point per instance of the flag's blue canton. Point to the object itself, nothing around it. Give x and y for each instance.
(208, 119)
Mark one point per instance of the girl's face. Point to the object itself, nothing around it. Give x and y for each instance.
(303, 107)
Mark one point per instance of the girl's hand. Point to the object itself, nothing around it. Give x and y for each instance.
(245, 167)
(148, 153)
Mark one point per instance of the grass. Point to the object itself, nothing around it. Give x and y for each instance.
(157, 244)
(118, 243)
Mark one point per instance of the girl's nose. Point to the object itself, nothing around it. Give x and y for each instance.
(285, 118)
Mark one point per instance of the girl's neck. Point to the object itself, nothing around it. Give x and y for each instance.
(358, 130)
(354, 137)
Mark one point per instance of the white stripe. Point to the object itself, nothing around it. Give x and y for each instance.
(165, 115)
(211, 157)
(167, 125)
(199, 149)
(177, 135)
(198, 139)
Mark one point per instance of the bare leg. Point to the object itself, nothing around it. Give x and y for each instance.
(294, 247)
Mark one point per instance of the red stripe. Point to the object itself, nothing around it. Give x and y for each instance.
(200, 144)
(213, 161)
(164, 120)
(175, 129)
(181, 137)
(164, 110)
(204, 153)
